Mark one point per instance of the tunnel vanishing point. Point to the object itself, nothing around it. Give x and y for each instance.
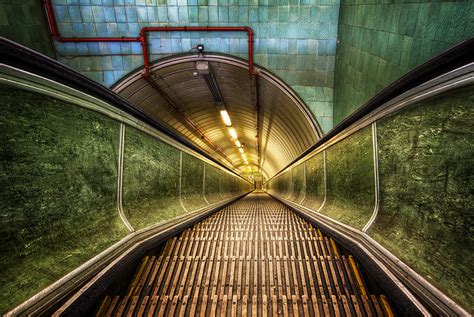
(236, 158)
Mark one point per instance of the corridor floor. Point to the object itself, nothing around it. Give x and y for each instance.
(255, 257)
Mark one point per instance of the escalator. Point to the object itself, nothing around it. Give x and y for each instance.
(255, 257)
(133, 219)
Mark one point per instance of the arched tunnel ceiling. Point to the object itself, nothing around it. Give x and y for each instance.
(178, 95)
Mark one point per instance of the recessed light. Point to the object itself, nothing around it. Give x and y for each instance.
(233, 134)
(226, 118)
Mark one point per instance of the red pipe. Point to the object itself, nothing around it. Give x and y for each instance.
(142, 38)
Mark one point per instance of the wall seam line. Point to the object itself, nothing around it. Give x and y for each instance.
(376, 178)
(120, 179)
(181, 181)
(325, 183)
(204, 183)
(304, 183)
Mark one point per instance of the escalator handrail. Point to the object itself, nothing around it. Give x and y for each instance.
(19, 56)
(449, 60)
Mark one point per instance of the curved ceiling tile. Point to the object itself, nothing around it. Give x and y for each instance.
(179, 95)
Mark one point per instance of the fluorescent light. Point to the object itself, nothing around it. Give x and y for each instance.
(241, 150)
(238, 144)
(226, 118)
(233, 134)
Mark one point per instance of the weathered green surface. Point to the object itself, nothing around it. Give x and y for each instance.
(58, 176)
(379, 41)
(288, 179)
(235, 185)
(224, 185)
(280, 186)
(350, 179)
(297, 180)
(151, 180)
(192, 189)
(227, 185)
(426, 159)
(212, 183)
(231, 185)
(24, 22)
(314, 182)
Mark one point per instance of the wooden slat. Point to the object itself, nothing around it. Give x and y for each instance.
(202, 312)
(294, 301)
(113, 306)
(335, 306)
(317, 309)
(163, 304)
(153, 305)
(214, 305)
(358, 277)
(378, 309)
(244, 305)
(234, 306)
(122, 306)
(284, 306)
(183, 306)
(367, 308)
(254, 306)
(274, 306)
(325, 305)
(138, 275)
(387, 310)
(163, 270)
(176, 276)
(345, 305)
(304, 303)
(264, 306)
(142, 307)
(249, 259)
(103, 306)
(133, 304)
(224, 306)
(355, 304)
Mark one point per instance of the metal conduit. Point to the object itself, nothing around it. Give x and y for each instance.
(48, 6)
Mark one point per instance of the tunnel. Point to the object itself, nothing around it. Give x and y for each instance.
(236, 158)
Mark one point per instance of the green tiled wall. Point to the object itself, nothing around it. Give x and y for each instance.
(350, 179)
(192, 182)
(425, 164)
(295, 39)
(297, 180)
(379, 41)
(212, 184)
(150, 180)
(314, 182)
(426, 159)
(58, 185)
(24, 22)
(350, 193)
(58, 176)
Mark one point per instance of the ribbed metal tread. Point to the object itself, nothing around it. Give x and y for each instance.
(255, 257)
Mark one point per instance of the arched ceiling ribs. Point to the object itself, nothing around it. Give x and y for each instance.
(189, 93)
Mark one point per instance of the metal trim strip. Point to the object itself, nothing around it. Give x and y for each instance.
(25, 80)
(396, 269)
(120, 179)
(376, 179)
(457, 78)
